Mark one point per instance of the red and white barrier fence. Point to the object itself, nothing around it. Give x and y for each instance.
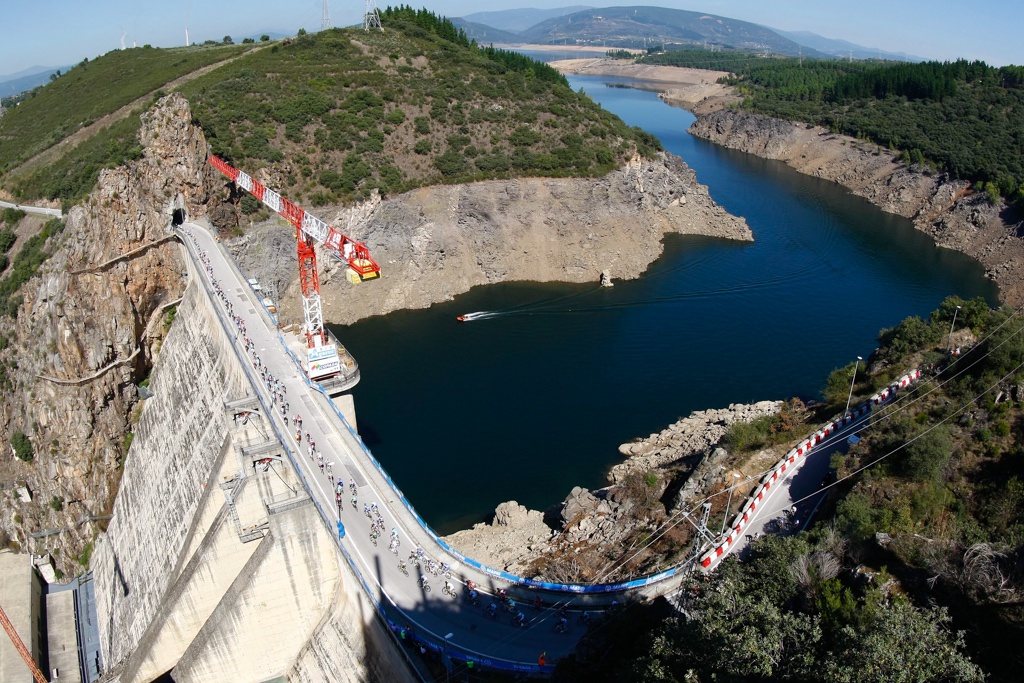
(758, 499)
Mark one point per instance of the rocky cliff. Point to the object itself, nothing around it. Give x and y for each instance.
(437, 242)
(90, 326)
(944, 208)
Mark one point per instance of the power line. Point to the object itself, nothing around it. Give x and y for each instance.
(904, 402)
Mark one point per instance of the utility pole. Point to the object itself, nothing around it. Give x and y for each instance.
(371, 17)
(325, 19)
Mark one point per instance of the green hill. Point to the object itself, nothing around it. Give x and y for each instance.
(339, 113)
(94, 89)
(649, 26)
(345, 111)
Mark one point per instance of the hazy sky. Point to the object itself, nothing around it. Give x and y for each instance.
(59, 32)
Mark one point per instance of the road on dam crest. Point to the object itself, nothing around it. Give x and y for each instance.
(463, 630)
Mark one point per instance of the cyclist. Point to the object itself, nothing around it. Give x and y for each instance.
(340, 488)
(537, 603)
(423, 580)
(473, 595)
(503, 594)
(520, 619)
(470, 585)
(563, 624)
(352, 485)
(402, 568)
(585, 617)
(394, 533)
(353, 501)
(448, 587)
(492, 611)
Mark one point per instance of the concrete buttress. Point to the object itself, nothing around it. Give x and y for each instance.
(213, 567)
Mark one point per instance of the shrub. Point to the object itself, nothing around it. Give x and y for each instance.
(57, 503)
(250, 204)
(926, 457)
(22, 447)
(913, 334)
(7, 239)
(86, 555)
(12, 216)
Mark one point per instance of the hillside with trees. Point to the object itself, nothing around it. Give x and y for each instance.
(966, 118)
(337, 114)
(913, 568)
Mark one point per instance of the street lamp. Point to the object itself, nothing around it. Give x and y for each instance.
(728, 503)
(852, 382)
(447, 659)
(952, 325)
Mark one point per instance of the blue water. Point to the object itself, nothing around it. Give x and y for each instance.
(528, 404)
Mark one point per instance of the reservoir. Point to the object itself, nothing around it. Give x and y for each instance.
(529, 403)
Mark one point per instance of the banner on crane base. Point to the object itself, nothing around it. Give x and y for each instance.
(323, 361)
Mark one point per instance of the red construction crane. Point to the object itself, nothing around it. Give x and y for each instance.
(20, 646)
(309, 230)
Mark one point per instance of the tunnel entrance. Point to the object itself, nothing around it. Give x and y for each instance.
(178, 218)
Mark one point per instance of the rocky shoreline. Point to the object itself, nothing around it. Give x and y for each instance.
(437, 242)
(947, 209)
(589, 529)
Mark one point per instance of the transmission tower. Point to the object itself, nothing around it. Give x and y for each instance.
(371, 17)
(325, 19)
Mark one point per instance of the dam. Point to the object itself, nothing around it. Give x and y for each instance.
(229, 539)
(209, 559)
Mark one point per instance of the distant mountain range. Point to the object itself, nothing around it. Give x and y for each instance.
(26, 79)
(630, 27)
(844, 48)
(650, 26)
(484, 34)
(517, 20)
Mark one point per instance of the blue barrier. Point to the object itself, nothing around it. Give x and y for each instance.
(378, 607)
(578, 589)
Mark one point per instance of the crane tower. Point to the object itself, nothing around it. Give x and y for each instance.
(322, 355)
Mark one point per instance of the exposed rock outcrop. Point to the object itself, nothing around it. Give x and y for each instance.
(90, 326)
(501, 543)
(944, 208)
(596, 527)
(692, 435)
(437, 242)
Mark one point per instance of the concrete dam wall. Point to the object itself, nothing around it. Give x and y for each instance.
(213, 567)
